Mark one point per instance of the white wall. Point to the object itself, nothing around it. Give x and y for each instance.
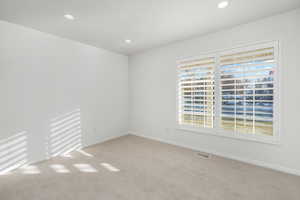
(152, 86)
(43, 77)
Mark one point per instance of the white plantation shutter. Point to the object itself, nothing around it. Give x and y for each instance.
(196, 92)
(247, 89)
(232, 91)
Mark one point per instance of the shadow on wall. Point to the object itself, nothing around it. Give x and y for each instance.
(65, 134)
(13, 152)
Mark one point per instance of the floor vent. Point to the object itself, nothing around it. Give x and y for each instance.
(203, 155)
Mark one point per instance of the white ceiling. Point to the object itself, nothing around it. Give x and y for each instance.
(148, 23)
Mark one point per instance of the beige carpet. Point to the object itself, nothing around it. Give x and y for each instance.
(134, 168)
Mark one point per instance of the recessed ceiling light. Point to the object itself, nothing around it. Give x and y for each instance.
(68, 16)
(128, 41)
(223, 4)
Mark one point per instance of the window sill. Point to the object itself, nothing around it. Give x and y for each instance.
(238, 136)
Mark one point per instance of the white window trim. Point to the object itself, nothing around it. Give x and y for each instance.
(217, 131)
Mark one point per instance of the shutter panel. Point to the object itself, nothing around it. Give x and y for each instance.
(247, 90)
(196, 92)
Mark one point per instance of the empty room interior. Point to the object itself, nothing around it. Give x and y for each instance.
(149, 100)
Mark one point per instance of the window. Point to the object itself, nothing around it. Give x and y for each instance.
(232, 92)
(196, 92)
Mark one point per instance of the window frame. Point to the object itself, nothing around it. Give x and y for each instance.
(217, 129)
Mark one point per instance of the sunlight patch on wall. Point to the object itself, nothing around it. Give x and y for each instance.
(13, 152)
(65, 134)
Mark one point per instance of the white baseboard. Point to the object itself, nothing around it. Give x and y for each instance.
(249, 161)
(101, 140)
(36, 161)
(104, 139)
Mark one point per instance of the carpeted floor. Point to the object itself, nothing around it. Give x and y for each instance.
(134, 168)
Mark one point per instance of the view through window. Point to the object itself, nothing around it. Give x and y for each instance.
(232, 91)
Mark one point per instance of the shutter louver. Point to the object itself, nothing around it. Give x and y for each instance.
(247, 89)
(196, 92)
